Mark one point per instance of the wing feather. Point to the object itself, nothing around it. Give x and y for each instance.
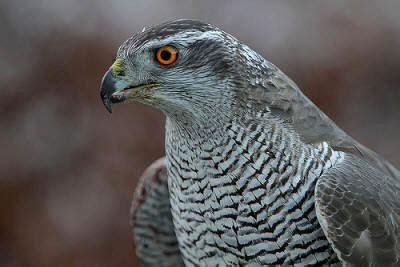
(151, 219)
(358, 207)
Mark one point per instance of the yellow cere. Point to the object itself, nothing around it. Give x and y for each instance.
(117, 67)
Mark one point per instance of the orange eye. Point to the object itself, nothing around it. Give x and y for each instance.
(166, 55)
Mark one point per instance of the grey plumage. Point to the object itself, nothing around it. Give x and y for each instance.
(358, 208)
(257, 174)
(151, 219)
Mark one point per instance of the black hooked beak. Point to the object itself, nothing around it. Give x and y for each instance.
(107, 89)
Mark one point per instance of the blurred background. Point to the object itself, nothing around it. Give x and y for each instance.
(68, 168)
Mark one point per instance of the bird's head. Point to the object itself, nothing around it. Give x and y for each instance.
(182, 67)
(195, 72)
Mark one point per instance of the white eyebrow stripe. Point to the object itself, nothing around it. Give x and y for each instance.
(186, 37)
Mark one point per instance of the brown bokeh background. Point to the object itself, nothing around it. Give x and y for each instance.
(68, 168)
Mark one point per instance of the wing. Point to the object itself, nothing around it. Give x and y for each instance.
(151, 219)
(358, 207)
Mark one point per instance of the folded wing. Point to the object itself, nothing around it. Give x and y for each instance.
(151, 219)
(358, 207)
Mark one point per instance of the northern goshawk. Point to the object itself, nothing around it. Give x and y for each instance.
(255, 174)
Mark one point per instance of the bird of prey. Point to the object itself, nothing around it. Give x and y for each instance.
(254, 173)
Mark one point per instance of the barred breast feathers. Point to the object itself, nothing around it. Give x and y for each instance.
(250, 191)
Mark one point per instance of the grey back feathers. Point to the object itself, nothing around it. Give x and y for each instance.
(261, 176)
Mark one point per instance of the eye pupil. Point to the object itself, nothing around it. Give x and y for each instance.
(165, 55)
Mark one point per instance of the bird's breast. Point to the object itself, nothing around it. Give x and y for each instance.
(241, 199)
